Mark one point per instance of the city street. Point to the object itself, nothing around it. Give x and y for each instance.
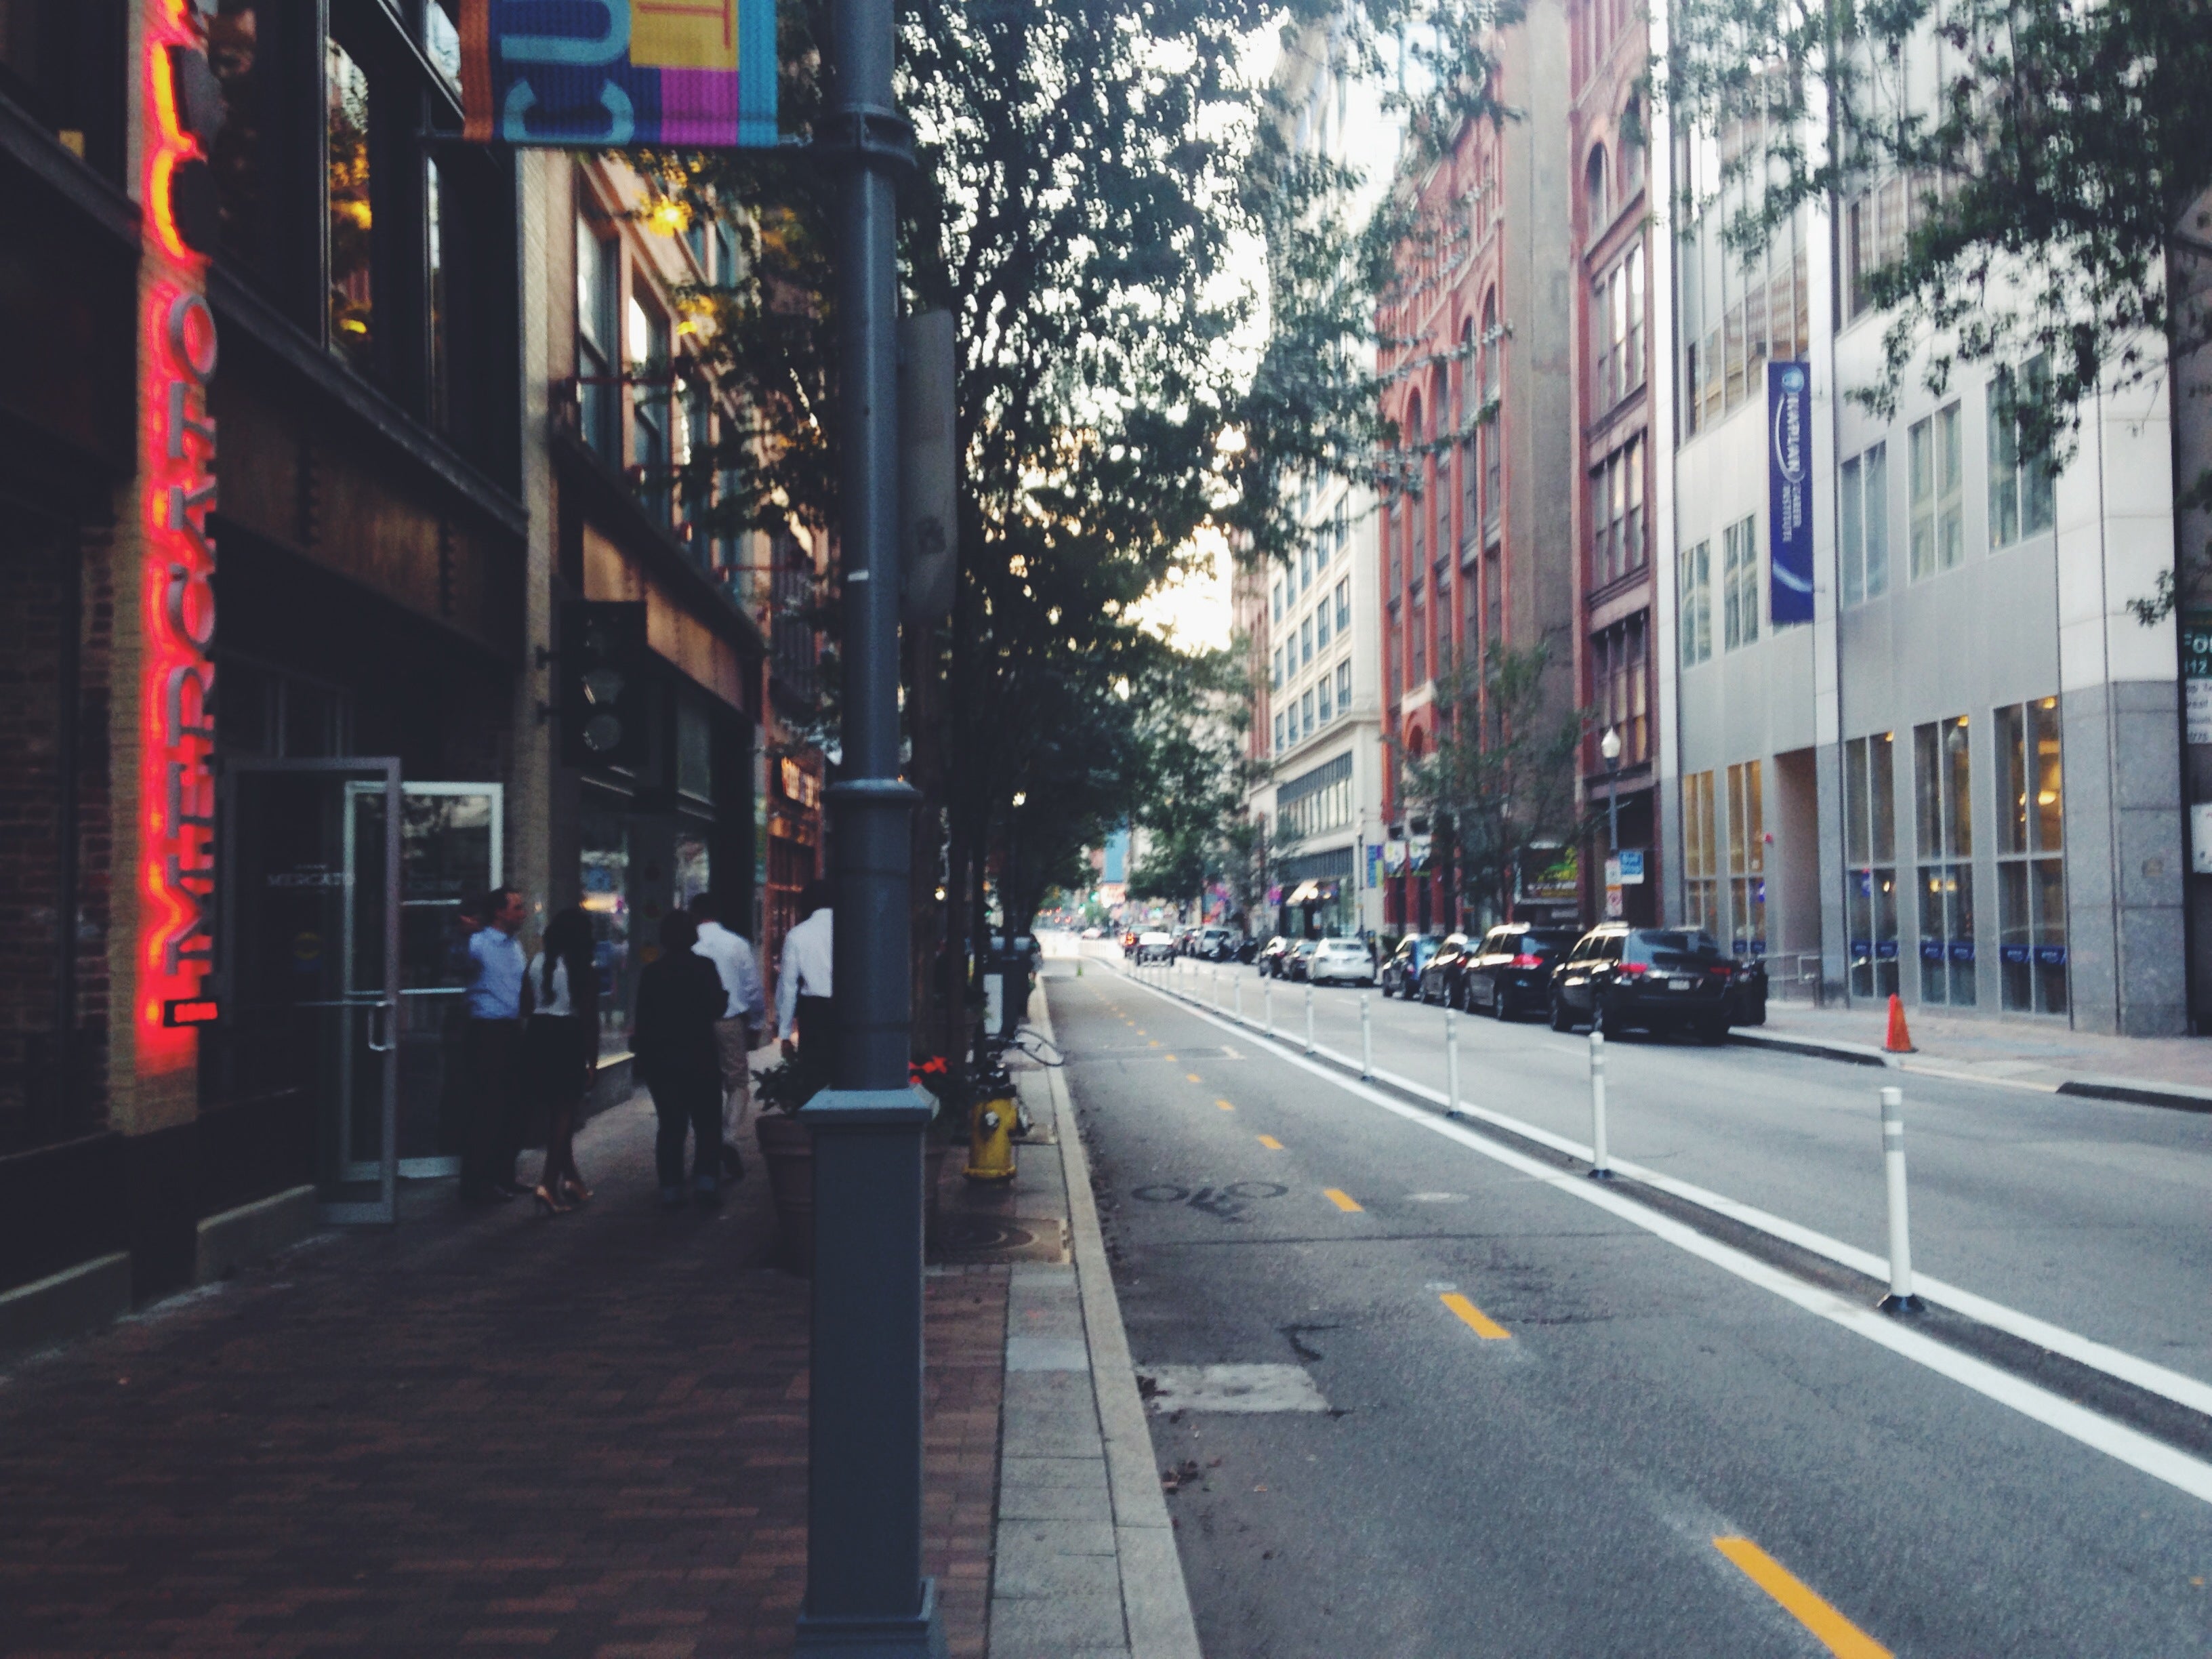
(1557, 1426)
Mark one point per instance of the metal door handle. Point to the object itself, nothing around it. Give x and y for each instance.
(379, 1016)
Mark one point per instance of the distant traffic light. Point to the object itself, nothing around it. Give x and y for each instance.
(606, 698)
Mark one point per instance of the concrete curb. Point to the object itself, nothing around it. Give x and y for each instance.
(1155, 1601)
(2174, 1097)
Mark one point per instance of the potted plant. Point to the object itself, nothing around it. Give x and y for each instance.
(787, 1147)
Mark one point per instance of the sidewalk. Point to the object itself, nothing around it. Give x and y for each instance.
(2024, 1053)
(1086, 1565)
(476, 1432)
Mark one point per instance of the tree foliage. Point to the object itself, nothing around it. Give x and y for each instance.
(1499, 786)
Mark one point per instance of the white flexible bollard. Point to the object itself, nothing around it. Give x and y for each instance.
(1901, 1298)
(1268, 1007)
(1451, 1063)
(1236, 996)
(1366, 1042)
(1309, 1016)
(1601, 1164)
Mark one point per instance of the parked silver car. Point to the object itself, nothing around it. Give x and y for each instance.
(1341, 961)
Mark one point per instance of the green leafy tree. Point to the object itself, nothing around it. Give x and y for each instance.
(1498, 787)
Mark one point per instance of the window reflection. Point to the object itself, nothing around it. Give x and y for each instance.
(347, 139)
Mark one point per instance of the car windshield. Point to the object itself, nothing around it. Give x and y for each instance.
(1542, 944)
(1672, 948)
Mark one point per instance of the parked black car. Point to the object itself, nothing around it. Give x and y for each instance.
(1662, 979)
(1442, 974)
(1401, 974)
(1510, 968)
(1746, 992)
(1294, 962)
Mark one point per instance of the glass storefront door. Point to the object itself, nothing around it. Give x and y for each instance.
(449, 852)
(310, 962)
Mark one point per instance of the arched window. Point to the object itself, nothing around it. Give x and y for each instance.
(1493, 432)
(1631, 147)
(1470, 406)
(1593, 190)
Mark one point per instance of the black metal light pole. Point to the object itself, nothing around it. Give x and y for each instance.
(865, 1595)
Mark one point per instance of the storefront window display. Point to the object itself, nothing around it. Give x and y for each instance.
(605, 854)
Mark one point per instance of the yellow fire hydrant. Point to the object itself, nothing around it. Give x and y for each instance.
(991, 1128)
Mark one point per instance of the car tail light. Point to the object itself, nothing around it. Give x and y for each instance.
(1721, 972)
(1633, 969)
(1526, 961)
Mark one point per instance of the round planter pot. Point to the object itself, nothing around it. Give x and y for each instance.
(787, 1148)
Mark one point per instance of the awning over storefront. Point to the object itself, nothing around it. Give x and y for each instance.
(1305, 893)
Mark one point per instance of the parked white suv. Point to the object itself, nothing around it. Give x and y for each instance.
(1342, 961)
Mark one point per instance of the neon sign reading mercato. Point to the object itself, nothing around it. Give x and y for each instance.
(176, 781)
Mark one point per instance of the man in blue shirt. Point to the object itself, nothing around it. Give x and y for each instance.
(495, 1051)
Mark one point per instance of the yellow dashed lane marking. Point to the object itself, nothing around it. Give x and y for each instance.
(1193, 1076)
(1834, 1631)
(1344, 1201)
(1224, 1105)
(1271, 1143)
(1477, 1321)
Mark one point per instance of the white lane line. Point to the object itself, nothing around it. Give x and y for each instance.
(2144, 1374)
(2139, 1451)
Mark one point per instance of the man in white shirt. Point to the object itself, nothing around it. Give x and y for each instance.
(803, 985)
(744, 1012)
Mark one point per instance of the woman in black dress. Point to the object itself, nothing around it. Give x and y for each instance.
(561, 1051)
(679, 998)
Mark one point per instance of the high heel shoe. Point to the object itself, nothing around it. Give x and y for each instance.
(545, 1204)
(575, 1190)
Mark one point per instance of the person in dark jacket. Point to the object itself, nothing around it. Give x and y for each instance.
(679, 998)
(560, 1051)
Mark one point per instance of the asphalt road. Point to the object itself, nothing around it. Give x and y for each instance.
(2091, 1214)
(1542, 1416)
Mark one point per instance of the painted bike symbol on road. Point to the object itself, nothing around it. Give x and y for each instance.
(1227, 1203)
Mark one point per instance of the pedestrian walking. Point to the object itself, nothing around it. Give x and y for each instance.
(805, 1016)
(494, 1050)
(744, 1011)
(561, 1052)
(680, 1000)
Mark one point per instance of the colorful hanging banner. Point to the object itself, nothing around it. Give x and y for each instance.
(608, 74)
(1789, 493)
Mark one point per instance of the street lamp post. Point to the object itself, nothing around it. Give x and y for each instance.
(1609, 746)
(865, 1594)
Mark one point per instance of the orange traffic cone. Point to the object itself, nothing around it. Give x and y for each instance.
(1899, 1041)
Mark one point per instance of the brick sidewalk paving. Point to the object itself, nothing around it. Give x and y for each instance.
(488, 1433)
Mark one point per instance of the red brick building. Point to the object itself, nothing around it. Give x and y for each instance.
(1614, 423)
(1478, 548)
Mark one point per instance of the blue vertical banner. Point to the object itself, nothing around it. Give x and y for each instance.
(1789, 493)
(606, 74)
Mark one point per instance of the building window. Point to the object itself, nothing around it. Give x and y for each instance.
(1328, 708)
(1620, 686)
(1746, 856)
(1305, 641)
(1939, 532)
(1344, 604)
(1494, 431)
(1942, 757)
(597, 385)
(1416, 634)
(1740, 583)
(1344, 687)
(1870, 862)
(350, 195)
(603, 855)
(1617, 332)
(441, 311)
(1695, 582)
(1864, 492)
(1275, 613)
(1598, 206)
(1320, 626)
(1616, 546)
(1280, 743)
(1873, 237)
(2021, 495)
(1700, 899)
(1306, 714)
(1275, 670)
(1739, 313)
(2031, 863)
(647, 350)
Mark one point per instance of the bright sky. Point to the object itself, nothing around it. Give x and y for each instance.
(1195, 611)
